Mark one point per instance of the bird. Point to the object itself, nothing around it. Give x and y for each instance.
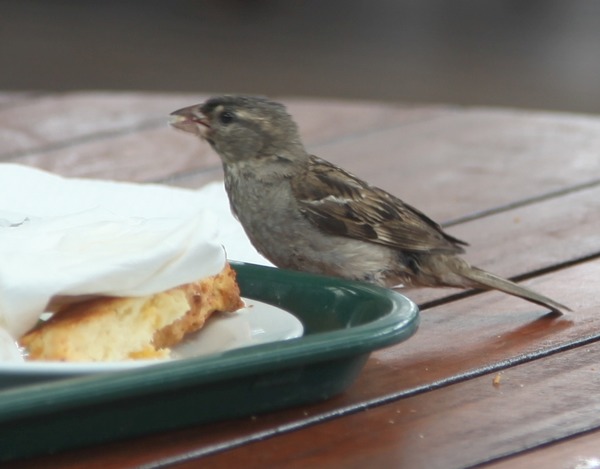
(304, 213)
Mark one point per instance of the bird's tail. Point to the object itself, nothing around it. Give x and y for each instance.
(487, 280)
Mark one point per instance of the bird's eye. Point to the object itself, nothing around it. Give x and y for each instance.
(227, 117)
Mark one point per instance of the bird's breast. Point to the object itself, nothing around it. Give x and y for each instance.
(270, 215)
(264, 205)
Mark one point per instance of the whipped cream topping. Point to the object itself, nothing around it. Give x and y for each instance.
(62, 237)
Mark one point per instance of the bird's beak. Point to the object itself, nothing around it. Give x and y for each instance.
(190, 119)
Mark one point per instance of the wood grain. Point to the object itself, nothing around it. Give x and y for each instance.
(423, 154)
(60, 120)
(453, 427)
(581, 452)
(531, 182)
(467, 161)
(531, 238)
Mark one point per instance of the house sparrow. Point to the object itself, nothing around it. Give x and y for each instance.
(304, 213)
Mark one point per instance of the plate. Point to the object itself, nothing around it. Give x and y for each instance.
(343, 323)
(256, 323)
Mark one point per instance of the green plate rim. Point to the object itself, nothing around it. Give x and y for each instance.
(399, 323)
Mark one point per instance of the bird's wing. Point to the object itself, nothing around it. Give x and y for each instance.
(341, 204)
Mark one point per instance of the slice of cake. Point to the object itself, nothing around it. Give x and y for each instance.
(112, 328)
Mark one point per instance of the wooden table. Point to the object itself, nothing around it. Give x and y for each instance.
(488, 379)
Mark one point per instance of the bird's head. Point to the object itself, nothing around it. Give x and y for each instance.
(241, 127)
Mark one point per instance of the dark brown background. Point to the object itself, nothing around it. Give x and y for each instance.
(529, 54)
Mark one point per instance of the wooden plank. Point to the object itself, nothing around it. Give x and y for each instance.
(455, 343)
(579, 453)
(488, 331)
(471, 160)
(140, 156)
(61, 120)
(57, 120)
(529, 238)
(424, 155)
(127, 137)
(457, 426)
(463, 162)
(322, 122)
(14, 98)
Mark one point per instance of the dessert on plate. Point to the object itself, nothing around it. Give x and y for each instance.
(145, 327)
(126, 270)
